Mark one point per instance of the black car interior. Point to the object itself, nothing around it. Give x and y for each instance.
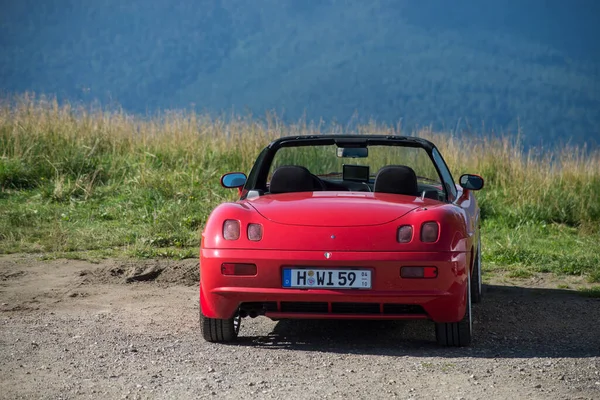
(294, 178)
(395, 179)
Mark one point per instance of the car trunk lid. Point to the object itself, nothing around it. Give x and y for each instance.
(334, 209)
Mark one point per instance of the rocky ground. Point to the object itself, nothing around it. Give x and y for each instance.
(127, 329)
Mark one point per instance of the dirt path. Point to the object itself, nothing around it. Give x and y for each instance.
(74, 329)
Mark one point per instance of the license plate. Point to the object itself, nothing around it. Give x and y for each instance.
(326, 278)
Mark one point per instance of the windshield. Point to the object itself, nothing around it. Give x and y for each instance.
(323, 161)
(346, 173)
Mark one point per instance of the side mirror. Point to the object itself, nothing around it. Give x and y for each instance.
(471, 182)
(233, 180)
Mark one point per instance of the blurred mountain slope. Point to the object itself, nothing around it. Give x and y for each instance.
(465, 63)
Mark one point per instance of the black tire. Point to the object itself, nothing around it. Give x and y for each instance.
(220, 330)
(457, 333)
(476, 291)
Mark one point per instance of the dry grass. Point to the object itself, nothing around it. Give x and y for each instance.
(112, 179)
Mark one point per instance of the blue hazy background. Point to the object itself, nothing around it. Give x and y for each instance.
(461, 65)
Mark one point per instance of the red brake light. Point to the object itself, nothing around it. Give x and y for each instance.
(255, 232)
(231, 229)
(430, 232)
(404, 234)
(418, 272)
(238, 269)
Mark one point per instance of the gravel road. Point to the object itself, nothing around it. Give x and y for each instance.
(76, 329)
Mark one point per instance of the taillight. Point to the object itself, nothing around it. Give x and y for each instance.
(255, 232)
(231, 229)
(238, 269)
(418, 272)
(404, 234)
(430, 232)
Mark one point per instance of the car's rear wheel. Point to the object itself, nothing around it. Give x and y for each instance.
(476, 276)
(457, 333)
(220, 330)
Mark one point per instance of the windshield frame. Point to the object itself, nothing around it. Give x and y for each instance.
(257, 178)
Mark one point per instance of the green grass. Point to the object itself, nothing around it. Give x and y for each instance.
(520, 273)
(76, 182)
(593, 292)
(532, 248)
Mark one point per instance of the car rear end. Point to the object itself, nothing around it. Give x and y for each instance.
(333, 284)
(331, 256)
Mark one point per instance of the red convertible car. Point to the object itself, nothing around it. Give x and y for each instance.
(344, 227)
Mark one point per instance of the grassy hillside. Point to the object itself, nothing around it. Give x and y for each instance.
(77, 181)
(460, 65)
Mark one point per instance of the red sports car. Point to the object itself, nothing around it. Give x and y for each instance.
(344, 227)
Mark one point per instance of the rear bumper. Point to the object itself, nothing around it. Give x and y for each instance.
(442, 299)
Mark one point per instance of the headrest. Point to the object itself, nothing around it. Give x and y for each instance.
(291, 178)
(396, 179)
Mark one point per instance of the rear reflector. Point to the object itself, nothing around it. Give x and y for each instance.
(238, 269)
(418, 272)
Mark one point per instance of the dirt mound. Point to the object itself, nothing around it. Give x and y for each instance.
(167, 272)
